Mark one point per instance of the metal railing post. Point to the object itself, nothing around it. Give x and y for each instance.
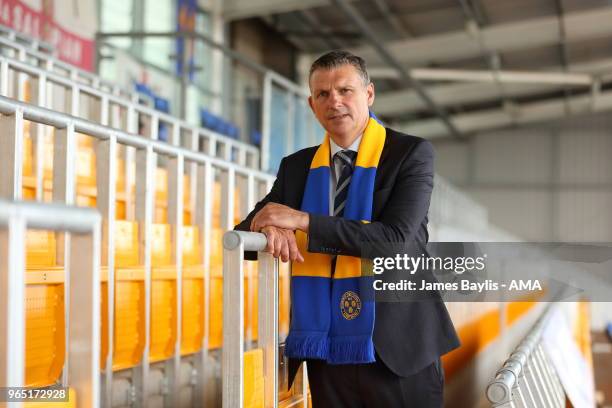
(12, 303)
(266, 112)
(175, 218)
(106, 179)
(146, 161)
(268, 325)
(233, 326)
(11, 155)
(203, 218)
(234, 245)
(83, 277)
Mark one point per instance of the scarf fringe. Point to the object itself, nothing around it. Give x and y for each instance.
(307, 346)
(351, 350)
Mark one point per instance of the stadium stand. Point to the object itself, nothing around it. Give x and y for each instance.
(69, 137)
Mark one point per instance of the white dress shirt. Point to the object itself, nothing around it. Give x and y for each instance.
(334, 148)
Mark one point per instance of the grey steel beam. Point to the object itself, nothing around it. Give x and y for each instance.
(393, 20)
(315, 25)
(476, 19)
(563, 54)
(404, 75)
(227, 51)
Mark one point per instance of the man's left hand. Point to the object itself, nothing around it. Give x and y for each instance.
(281, 216)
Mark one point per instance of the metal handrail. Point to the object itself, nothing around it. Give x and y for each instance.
(52, 62)
(203, 169)
(56, 119)
(82, 292)
(247, 154)
(33, 42)
(527, 379)
(235, 243)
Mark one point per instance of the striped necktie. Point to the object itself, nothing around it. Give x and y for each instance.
(346, 159)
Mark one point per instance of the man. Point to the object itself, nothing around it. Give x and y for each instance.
(365, 184)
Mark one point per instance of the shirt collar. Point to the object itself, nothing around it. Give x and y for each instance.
(334, 148)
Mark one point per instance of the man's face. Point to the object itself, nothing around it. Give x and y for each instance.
(340, 100)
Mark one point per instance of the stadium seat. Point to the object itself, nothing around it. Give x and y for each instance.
(253, 379)
(193, 310)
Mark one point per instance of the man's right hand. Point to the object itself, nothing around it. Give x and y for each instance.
(282, 243)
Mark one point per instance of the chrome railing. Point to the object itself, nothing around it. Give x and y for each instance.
(31, 42)
(82, 292)
(203, 170)
(235, 243)
(113, 109)
(29, 53)
(528, 379)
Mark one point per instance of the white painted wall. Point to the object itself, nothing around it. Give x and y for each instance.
(545, 183)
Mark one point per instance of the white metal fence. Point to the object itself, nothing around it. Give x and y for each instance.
(105, 103)
(82, 292)
(203, 169)
(528, 379)
(235, 243)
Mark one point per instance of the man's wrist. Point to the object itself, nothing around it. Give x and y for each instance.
(304, 222)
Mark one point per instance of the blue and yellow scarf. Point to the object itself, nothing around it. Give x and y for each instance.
(333, 316)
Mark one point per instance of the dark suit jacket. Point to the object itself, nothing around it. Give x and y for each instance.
(408, 335)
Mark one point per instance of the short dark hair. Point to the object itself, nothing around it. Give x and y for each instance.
(338, 58)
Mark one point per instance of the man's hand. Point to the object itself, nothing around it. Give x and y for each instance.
(281, 216)
(281, 242)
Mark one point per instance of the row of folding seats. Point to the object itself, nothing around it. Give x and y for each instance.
(45, 284)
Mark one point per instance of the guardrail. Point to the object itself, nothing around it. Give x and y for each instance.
(203, 168)
(82, 292)
(527, 378)
(111, 105)
(49, 61)
(31, 42)
(235, 243)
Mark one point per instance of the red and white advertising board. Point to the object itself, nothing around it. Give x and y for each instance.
(72, 48)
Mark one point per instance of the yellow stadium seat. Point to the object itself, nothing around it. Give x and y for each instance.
(163, 314)
(215, 313)
(163, 294)
(284, 299)
(161, 241)
(192, 325)
(85, 165)
(161, 185)
(41, 249)
(126, 244)
(129, 330)
(253, 379)
(45, 345)
(86, 160)
(216, 209)
(251, 310)
(161, 215)
(216, 293)
(104, 316)
(28, 166)
(193, 310)
(192, 254)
